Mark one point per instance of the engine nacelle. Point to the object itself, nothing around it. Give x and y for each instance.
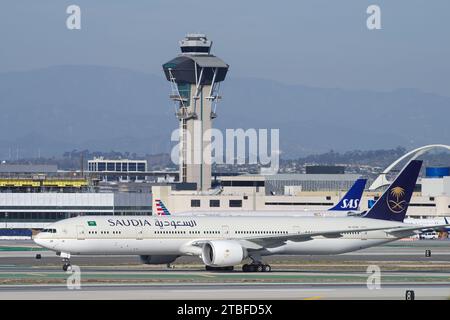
(157, 259)
(223, 253)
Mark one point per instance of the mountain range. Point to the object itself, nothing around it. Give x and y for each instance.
(56, 109)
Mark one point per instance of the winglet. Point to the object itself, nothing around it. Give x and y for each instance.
(350, 201)
(394, 202)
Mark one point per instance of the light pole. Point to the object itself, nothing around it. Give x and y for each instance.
(6, 220)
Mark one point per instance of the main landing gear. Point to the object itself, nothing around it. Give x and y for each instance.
(256, 267)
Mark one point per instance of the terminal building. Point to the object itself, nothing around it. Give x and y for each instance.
(118, 170)
(31, 196)
(125, 170)
(299, 193)
(35, 210)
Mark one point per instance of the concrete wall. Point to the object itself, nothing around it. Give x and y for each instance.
(436, 186)
(421, 206)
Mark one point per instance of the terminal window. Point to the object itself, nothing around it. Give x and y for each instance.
(214, 203)
(101, 166)
(195, 203)
(235, 203)
(131, 166)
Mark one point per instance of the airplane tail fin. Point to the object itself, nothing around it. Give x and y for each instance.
(392, 205)
(161, 209)
(350, 201)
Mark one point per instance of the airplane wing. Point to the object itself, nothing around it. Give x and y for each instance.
(268, 241)
(281, 238)
(277, 240)
(418, 228)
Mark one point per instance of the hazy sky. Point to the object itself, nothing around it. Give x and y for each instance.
(312, 42)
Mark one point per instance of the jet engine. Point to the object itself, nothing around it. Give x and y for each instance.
(223, 253)
(157, 259)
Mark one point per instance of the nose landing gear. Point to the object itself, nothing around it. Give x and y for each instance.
(67, 266)
(66, 260)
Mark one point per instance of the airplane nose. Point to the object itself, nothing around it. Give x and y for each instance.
(38, 240)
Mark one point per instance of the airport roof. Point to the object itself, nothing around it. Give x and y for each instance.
(184, 67)
(28, 168)
(313, 177)
(209, 61)
(294, 176)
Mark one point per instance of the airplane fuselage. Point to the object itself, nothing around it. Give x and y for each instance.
(172, 235)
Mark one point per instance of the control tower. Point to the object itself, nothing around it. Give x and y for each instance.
(195, 76)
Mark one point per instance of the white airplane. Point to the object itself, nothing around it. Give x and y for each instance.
(347, 206)
(222, 242)
(429, 222)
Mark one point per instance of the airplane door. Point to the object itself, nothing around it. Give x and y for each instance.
(295, 229)
(364, 235)
(139, 233)
(81, 233)
(225, 231)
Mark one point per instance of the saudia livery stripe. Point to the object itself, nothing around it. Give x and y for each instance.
(157, 223)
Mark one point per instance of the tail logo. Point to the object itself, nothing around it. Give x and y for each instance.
(161, 209)
(395, 200)
(350, 204)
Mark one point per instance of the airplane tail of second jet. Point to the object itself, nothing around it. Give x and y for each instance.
(352, 198)
(161, 209)
(394, 202)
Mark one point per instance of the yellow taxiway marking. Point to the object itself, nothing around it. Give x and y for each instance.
(313, 298)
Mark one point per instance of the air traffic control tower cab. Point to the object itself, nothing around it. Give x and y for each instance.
(195, 76)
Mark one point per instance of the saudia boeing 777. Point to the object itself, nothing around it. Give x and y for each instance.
(223, 242)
